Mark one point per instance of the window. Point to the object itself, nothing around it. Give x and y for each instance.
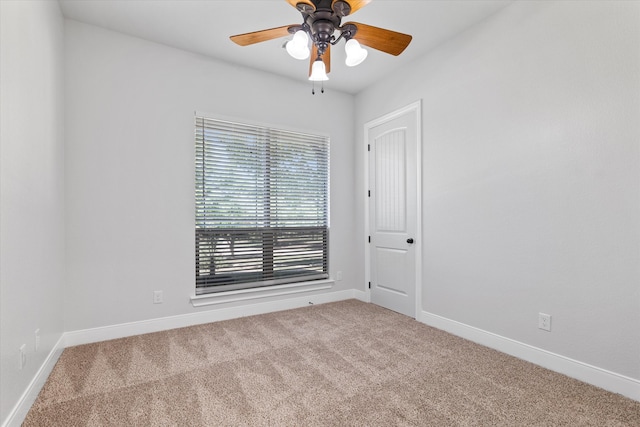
(261, 206)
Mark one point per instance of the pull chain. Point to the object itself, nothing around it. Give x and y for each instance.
(313, 88)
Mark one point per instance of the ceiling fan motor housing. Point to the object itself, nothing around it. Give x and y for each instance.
(322, 33)
(322, 22)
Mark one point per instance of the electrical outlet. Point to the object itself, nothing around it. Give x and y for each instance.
(339, 275)
(157, 297)
(544, 321)
(22, 356)
(37, 341)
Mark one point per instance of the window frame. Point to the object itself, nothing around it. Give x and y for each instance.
(279, 285)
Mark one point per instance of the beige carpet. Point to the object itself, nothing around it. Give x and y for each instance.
(344, 363)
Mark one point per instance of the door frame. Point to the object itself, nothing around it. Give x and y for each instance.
(416, 109)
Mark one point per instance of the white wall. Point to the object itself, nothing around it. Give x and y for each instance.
(531, 176)
(32, 189)
(130, 168)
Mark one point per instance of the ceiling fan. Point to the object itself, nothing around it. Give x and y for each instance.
(321, 21)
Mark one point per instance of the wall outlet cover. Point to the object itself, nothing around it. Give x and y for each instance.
(544, 322)
(157, 297)
(22, 356)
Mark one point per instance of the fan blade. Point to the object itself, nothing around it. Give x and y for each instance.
(295, 3)
(326, 58)
(354, 4)
(387, 41)
(261, 36)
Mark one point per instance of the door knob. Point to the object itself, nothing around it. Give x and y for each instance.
(409, 240)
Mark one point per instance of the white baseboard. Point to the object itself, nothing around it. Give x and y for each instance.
(111, 332)
(363, 296)
(599, 377)
(19, 412)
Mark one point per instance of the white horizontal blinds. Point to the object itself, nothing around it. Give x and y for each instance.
(261, 206)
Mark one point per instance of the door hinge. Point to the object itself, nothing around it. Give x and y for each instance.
(368, 193)
(369, 285)
(369, 239)
(368, 147)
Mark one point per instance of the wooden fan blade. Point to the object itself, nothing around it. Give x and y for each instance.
(295, 3)
(326, 58)
(261, 36)
(355, 4)
(387, 41)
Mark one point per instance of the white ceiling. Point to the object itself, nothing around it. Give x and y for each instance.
(204, 27)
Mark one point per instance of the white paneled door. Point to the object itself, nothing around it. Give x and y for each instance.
(393, 210)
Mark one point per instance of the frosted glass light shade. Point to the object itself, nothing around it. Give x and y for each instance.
(298, 47)
(318, 71)
(355, 53)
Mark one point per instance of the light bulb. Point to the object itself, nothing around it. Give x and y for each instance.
(298, 46)
(355, 53)
(318, 71)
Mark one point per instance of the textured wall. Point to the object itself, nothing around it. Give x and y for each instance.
(130, 168)
(32, 248)
(531, 176)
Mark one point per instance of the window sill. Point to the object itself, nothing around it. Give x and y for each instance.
(257, 293)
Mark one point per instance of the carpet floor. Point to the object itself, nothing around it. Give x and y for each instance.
(340, 364)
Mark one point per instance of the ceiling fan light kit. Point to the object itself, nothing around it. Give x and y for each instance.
(321, 21)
